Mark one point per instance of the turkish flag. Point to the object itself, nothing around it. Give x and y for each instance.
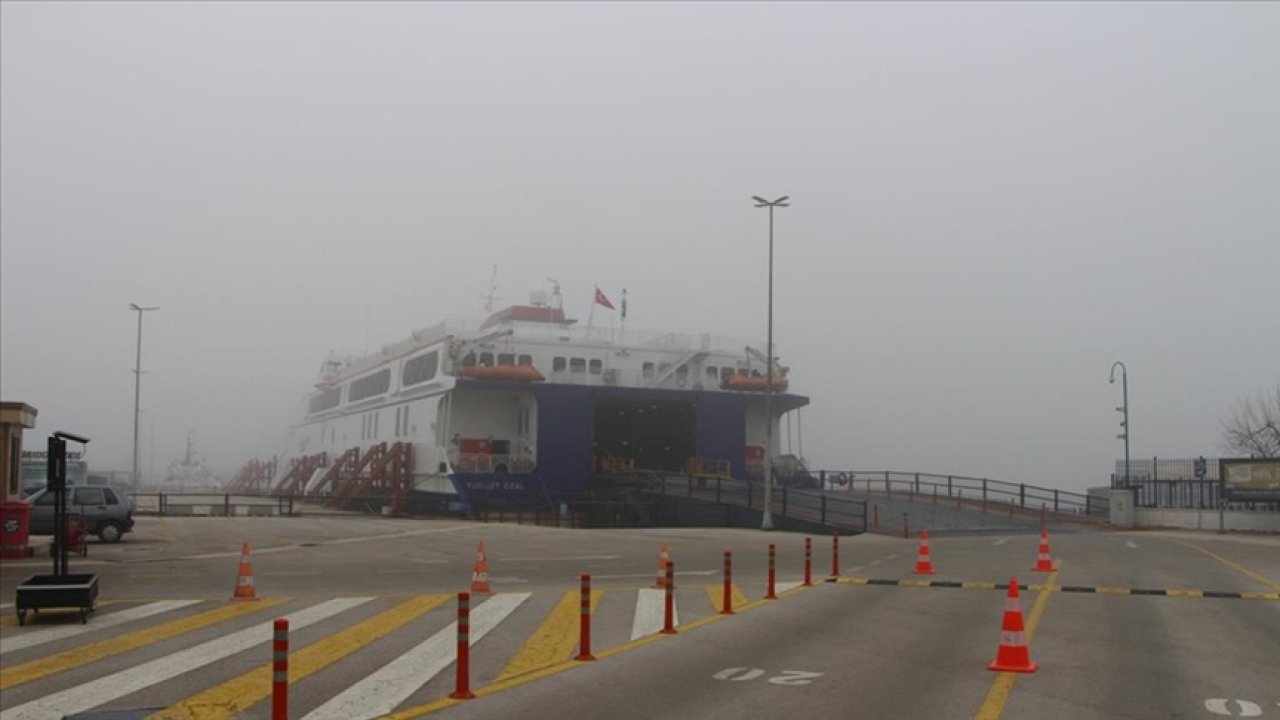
(601, 299)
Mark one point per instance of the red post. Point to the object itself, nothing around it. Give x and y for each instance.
(905, 532)
(808, 565)
(726, 605)
(769, 591)
(463, 689)
(584, 612)
(280, 671)
(669, 608)
(835, 554)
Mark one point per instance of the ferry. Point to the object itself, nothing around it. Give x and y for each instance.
(529, 406)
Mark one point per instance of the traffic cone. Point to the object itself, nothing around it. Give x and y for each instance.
(1044, 563)
(1012, 655)
(924, 566)
(480, 575)
(664, 559)
(244, 580)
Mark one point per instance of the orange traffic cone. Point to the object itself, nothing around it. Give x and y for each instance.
(1044, 563)
(664, 559)
(244, 580)
(480, 576)
(1012, 655)
(924, 566)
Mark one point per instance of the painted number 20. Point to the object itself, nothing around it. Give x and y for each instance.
(788, 677)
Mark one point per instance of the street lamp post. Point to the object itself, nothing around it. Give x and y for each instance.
(137, 389)
(1124, 409)
(766, 521)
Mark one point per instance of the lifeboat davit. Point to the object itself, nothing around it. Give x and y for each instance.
(524, 373)
(754, 384)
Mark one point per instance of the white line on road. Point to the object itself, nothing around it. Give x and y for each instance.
(379, 693)
(319, 543)
(553, 559)
(650, 575)
(1131, 544)
(651, 612)
(39, 637)
(115, 686)
(1001, 541)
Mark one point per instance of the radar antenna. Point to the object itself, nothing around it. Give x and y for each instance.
(493, 289)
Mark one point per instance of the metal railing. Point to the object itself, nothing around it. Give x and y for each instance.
(967, 490)
(809, 505)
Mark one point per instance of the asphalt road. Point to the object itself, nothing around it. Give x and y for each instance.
(372, 603)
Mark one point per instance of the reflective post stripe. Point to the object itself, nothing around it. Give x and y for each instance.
(808, 566)
(584, 612)
(726, 605)
(462, 690)
(835, 554)
(769, 591)
(669, 606)
(280, 670)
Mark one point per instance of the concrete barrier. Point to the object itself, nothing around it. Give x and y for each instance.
(1207, 519)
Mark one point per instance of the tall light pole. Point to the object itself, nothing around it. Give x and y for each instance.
(766, 521)
(137, 389)
(1124, 409)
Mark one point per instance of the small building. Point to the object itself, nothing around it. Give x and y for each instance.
(14, 418)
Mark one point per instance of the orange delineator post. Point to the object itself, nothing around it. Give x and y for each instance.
(669, 604)
(480, 575)
(664, 559)
(726, 604)
(244, 579)
(462, 690)
(280, 670)
(769, 591)
(1012, 655)
(584, 623)
(835, 554)
(1044, 561)
(808, 565)
(924, 564)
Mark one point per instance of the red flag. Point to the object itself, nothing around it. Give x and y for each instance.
(602, 300)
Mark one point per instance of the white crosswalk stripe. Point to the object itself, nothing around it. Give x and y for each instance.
(117, 685)
(381, 692)
(40, 637)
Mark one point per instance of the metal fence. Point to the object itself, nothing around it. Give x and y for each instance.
(1183, 493)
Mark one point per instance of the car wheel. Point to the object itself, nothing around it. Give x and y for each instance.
(110, 532)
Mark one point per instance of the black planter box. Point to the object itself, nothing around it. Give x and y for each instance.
(40, 592)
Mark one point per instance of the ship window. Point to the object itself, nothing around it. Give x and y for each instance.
(507, 359)
(420, 369)
(326, 400)
(525, 360)
(486, 359)
(646, 370)
(469, 360)
(725, 374)
(577, 365)
(370, 385)
(597, 366)
(558, 364)
(713, 372)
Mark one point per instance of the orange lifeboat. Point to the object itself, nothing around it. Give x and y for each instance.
(524, 373)
(753, 384)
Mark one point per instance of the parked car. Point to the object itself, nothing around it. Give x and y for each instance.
(107, 512)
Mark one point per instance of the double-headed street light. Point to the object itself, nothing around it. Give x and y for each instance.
(1124, 410)
(766, 522)
(137, 389)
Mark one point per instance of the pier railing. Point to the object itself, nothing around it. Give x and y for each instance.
(967, 491)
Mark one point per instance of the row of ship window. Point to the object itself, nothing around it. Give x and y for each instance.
(423, 368)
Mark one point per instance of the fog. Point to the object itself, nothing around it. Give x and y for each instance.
(990, 205)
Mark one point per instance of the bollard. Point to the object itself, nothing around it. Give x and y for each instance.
(769, 591)
(808, 564)
(835, 554)
(462, 690)
(726, 605)
(280, 671)
(905, 532)
(669, 606)
(584, 612)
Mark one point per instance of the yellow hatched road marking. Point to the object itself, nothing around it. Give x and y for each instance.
(715, 593)
(913, 583)
(36, 669)
(238, 694)
(555, 639)
(1002, 686)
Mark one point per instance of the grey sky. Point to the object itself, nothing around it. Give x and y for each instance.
(991, 203)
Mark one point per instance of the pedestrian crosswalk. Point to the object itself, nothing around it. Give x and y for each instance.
(351, 657)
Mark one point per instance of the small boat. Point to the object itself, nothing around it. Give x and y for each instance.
(753, 384)
(525, 373)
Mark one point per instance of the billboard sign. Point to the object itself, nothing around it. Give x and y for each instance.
(1250, 479)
